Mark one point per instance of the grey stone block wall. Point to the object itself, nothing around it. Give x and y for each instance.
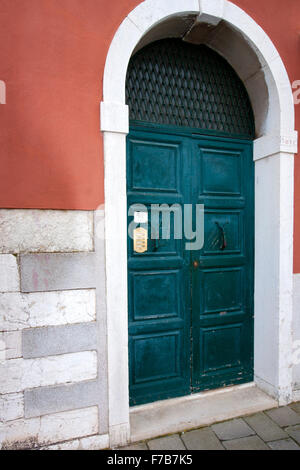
(68, 271)
(49, 276)
(57, 271)
(52, 340)
(47, 400)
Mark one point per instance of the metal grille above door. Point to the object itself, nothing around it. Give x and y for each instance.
(175, 83)
(190, 311)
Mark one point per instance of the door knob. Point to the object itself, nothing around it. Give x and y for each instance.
(196, 264)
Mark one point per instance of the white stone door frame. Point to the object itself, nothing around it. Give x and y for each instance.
(271, 95)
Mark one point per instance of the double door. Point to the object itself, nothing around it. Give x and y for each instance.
(190, 301)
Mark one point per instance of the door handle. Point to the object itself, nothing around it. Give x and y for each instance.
(195, 264)
(223, 235)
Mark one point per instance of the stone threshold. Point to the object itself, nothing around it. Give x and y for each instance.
(193, 411)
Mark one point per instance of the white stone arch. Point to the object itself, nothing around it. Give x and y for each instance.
(235, 35)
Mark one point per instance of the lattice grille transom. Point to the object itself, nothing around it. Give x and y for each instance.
(175, 83)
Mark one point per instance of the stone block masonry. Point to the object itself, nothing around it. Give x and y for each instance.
(22, 374)
(19, 311)
(36, 432)
(52, 331)
(45, 231)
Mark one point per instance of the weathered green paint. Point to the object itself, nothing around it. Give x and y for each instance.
(191, 328)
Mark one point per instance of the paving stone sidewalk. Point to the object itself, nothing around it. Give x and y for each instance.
(276, 429)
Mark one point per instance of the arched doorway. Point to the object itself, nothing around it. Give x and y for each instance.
(190, 143)
(238, 38)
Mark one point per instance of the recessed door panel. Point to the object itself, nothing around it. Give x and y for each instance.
(221, 290)
(155, 294)
(157, 245)
(154, 166)
(223, 232)
(156, 357)
(220, 348)
(221, 172)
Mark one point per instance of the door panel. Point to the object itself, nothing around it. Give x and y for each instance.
(165, 289)
(222, 286)
(190, 326)
(232, 221)
(156, 356)
(155, 166)
(158, 279)
(220, 172)
(221, 348)
(221, 290)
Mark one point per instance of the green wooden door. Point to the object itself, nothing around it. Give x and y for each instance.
(190, 311)
(222, 279)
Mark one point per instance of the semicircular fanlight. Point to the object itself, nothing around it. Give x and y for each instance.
(175, 83)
